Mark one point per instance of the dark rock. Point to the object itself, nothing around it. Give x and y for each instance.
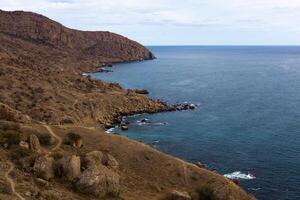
(184, 106)
(145, 120)
(124, 128)
(141, 91)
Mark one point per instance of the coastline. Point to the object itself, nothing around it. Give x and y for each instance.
(46, 85)
(167, 107)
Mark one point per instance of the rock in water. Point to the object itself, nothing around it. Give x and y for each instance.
(124, 128)
(141, 91)
(44, 167)
(34, 143)
(69, 167)
(99, 181)
(176, 195)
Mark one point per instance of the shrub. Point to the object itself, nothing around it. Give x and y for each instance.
(19, 152)
(45, 139)
(67, 121)
(206, 192)
(73, 136)
(9, 137)
(4, 125)
(57, 155)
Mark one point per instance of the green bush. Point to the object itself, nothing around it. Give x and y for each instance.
(206, 192)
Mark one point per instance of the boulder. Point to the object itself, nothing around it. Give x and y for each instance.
(176, 195)
(42, 182)
(99, 181)
(44, 167)
(124, 128)
(34, 143)
(200, 165)
(96, 158)
(93, 158)
(109, 161)
(141, 91)
(69, 167)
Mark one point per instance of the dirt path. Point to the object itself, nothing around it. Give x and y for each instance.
(185, 174)
(11, 182)
(59, 141)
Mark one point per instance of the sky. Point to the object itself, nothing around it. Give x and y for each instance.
(177, 22)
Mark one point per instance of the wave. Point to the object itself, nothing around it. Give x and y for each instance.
(239, 175)
(110, 130)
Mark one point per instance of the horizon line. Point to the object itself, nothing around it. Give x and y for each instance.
(224, 45)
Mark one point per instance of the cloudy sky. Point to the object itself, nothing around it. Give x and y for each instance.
(178, 22)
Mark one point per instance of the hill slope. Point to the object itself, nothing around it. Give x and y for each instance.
(41, 66)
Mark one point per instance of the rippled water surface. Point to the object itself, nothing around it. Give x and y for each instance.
(247, 123)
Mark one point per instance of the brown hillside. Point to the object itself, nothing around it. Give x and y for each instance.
(41, 66)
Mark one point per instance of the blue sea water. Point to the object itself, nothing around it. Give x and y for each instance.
(248, 115)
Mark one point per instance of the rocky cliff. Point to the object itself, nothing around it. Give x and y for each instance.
(99, 45)
(41, 67)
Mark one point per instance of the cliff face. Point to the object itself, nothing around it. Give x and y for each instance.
(100, 45)
(41, 63)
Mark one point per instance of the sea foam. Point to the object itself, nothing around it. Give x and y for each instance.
(239, 175)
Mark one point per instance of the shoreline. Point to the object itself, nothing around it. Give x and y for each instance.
(168, 107)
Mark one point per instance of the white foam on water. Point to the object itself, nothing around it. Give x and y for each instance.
(239, 175)
(160, 123)
(110, 130)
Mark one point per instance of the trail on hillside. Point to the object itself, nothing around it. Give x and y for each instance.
(11, 182)
(59, 141)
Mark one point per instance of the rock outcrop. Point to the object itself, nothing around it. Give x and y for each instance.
(109, 161)
(96, 158)
(34, 143)
(93, 158)
(99, 181)
(69, 167)
(44, 167)
(107, 46)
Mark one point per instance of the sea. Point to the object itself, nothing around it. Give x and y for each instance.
(246, 124)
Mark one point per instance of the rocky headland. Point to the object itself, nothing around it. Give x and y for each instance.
(52, 120)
